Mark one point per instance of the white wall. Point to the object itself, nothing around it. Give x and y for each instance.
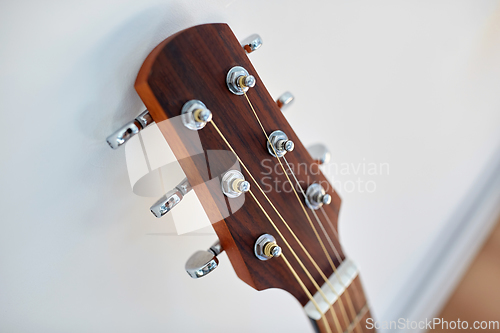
(413, 84)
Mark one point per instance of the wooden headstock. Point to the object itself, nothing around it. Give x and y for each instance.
(193, 64)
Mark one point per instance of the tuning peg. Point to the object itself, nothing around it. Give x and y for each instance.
(124, 134)
(285, 100)
(171, 199)
(320, 153)
(278, 144)
(316, 196)
(266, 248)
(201, 263)
(233, 184)
(251, 43)
(238, 80)
(195, 115)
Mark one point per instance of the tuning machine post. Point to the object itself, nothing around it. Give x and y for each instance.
(202, 263)
(279, 144)
(195, 115)
(266, 247)
(233, 184)
(125, 133)
(316, 196)
(238, 80)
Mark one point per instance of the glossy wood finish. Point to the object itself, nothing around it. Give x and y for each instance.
(193, 65)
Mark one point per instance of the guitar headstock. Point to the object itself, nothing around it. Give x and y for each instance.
(184, 85)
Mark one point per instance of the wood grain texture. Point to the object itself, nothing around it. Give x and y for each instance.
(193, 64)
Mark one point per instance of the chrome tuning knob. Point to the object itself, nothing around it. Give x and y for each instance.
(125, 133)
(278, 144)
(202, 263)
(316, 196)
(285, 100)
(319, 153)
(251, 43)
(171, 199)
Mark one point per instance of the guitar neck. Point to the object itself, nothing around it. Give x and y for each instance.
(347, 310)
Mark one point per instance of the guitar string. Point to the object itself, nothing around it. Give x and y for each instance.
(313, 301)
(303, 208)
(330, 223)
(304, 288)
(361, 314)
(341, 303)
(275, 227)
(364, 309)
(349, 301)
(297, 196)
(318, 288)
(337, 255)
(334, 316)
(347, 293)
(318, 220)
(293, 252)
(290, 267)
(337, 236)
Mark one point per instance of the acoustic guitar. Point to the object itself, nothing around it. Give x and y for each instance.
(273, 210)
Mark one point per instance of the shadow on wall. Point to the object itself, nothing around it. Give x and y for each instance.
(106, 74)
(113, 64)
